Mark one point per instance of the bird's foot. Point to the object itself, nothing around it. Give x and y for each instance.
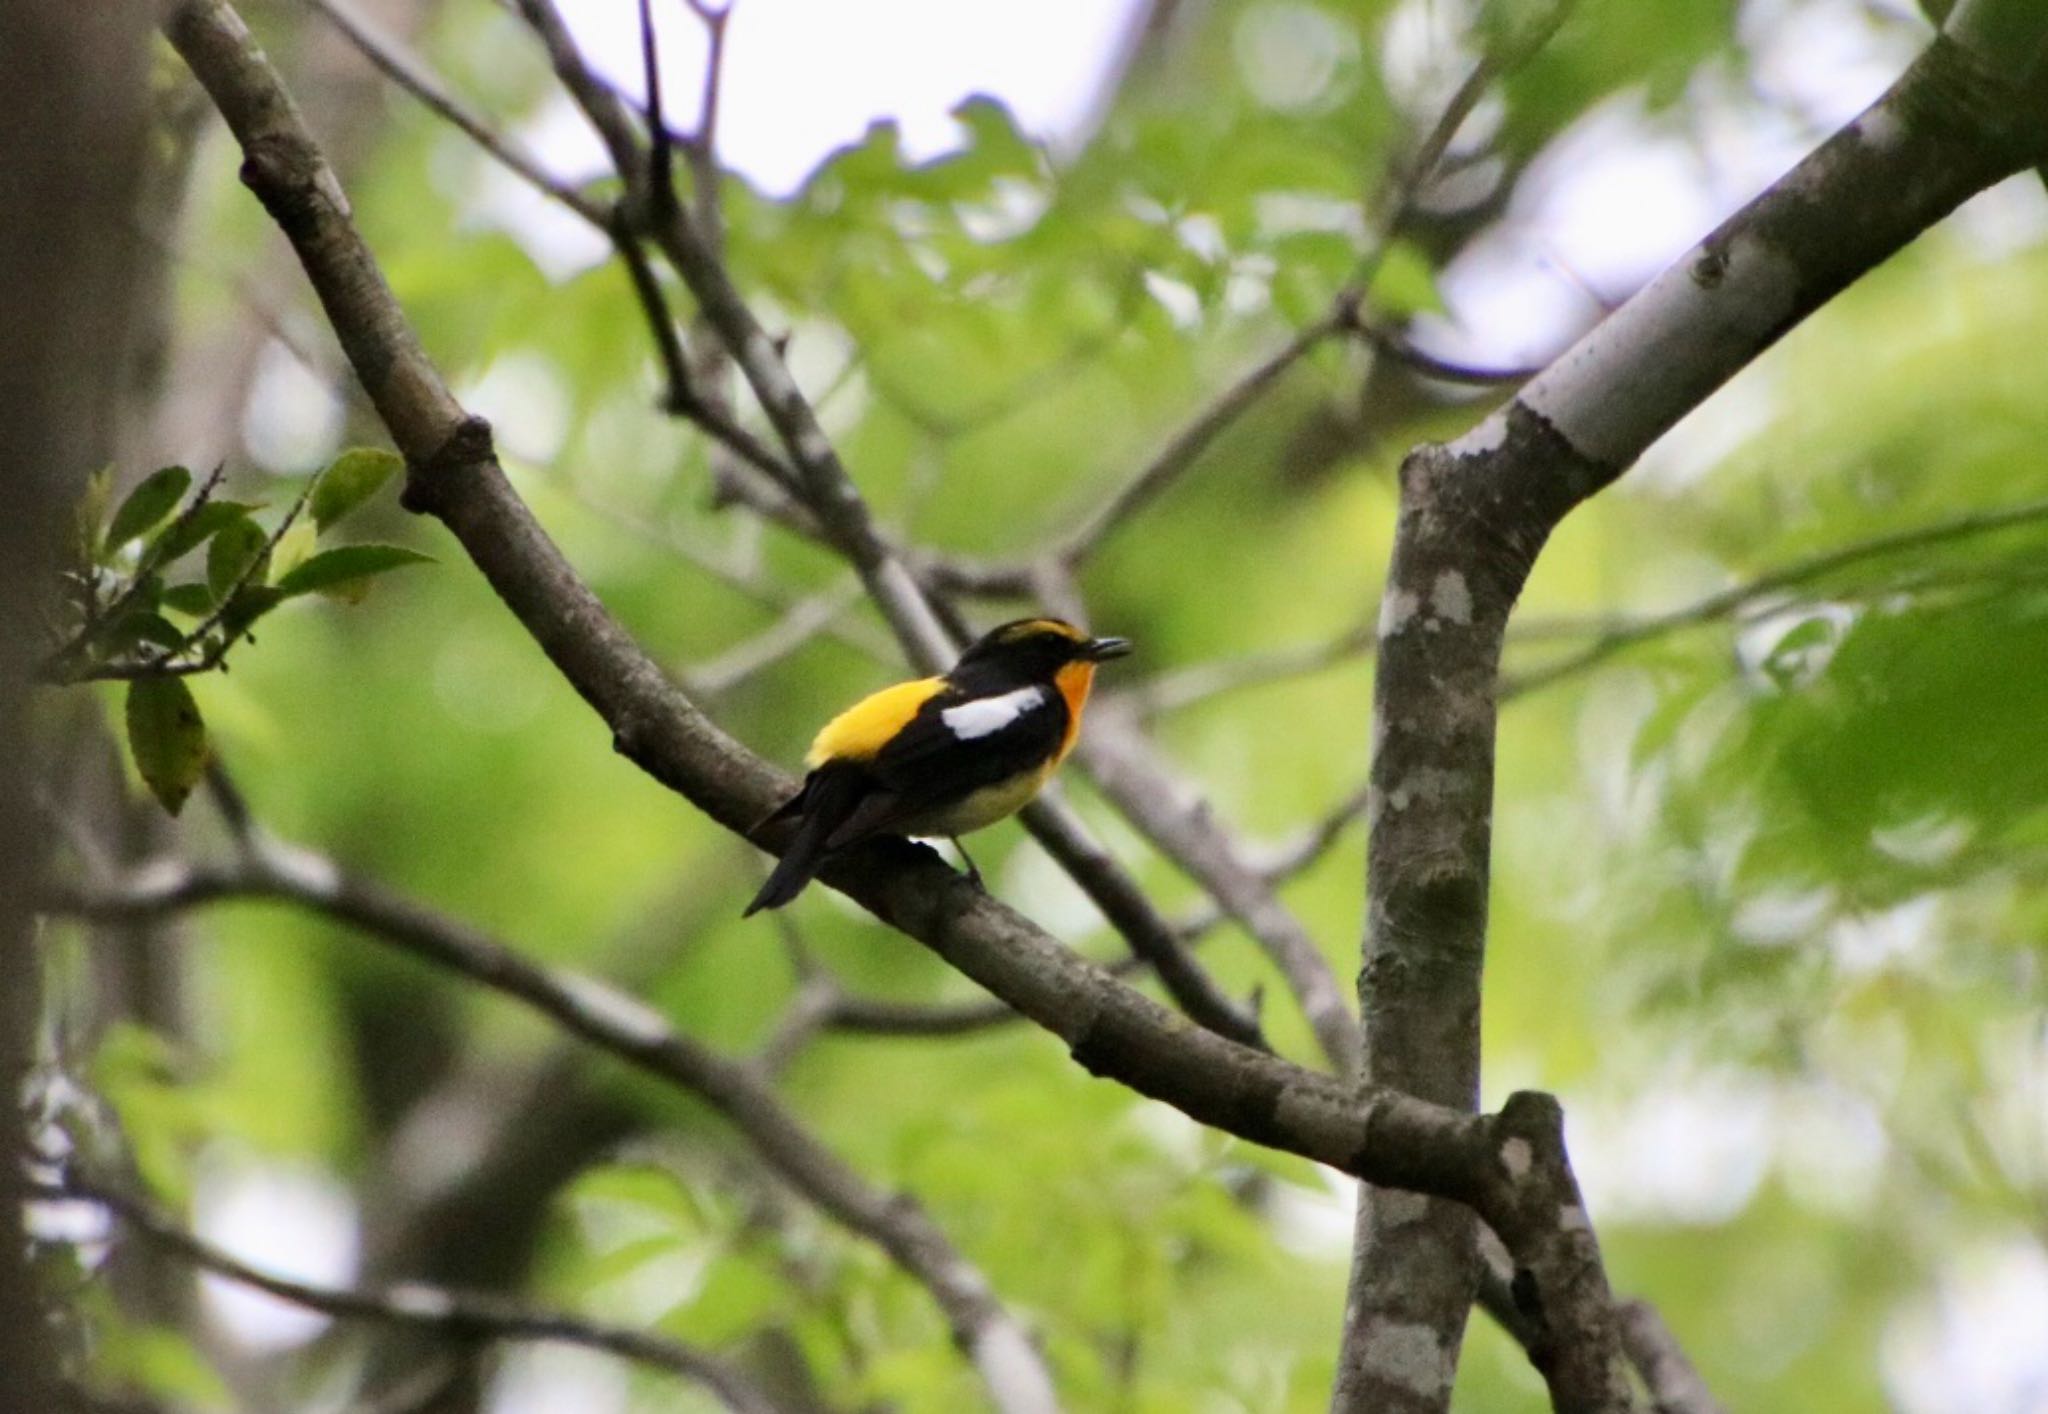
(973, 870)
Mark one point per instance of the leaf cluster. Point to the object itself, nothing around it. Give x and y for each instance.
(163, 584)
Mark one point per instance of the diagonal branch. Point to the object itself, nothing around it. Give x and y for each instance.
(456, 1315)
(636, 1033)
(1618, 637)
(1182, 451)
(410, 73)
(1130, 772)
(1674, 1383)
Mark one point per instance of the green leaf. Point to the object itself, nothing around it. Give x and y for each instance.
(187, 533)
(162, 1361)
(347, 564)
(168, 737)
(195, 599)
(251, 604)
(153, 499)
(353, 478)
(143, 626)
(293, 548)
(90, 511)
(233, 555)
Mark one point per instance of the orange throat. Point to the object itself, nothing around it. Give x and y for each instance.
(1073, 680)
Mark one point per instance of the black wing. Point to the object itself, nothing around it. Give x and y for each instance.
(953, 747)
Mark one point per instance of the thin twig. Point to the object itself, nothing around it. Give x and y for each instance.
(410, 73)
(800, 623)
(458, 1315)
(682, 395)
(150, 562)
(634, 1032)
(1673, 1380)
(1402, 350)
(1172, 461)
(1739, 596)
(1179, 688)
(166, 665)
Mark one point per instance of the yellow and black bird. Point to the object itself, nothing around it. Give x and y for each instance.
(941, 756)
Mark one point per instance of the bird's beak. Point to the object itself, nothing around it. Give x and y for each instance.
(1101, 650)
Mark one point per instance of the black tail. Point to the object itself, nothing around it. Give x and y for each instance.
(822, 806)
(798, 863)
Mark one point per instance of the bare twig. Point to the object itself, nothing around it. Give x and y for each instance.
(1172, 461)
(1613, 638)
(411, 73)
(1673, 1381)
(607, 112)
(1186, 830)
(681, 395)
(800, 623)
(1151, 936)
(636, 1033)
(458, 1315)
(1179, 688)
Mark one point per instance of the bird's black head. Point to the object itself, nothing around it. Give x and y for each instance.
(1033, 650)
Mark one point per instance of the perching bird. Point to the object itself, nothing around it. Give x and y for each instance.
(944, 755)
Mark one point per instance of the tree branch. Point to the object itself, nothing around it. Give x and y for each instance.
(1171, 462)
(454, 1315)
(410, 73)
(1473, 517)
(1675, 1385)
(636, 1033)
(1185, 829)
(1617, 637)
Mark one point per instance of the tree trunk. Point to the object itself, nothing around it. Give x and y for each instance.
(74, 80)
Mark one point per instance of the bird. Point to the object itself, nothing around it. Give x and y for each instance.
(940, 756)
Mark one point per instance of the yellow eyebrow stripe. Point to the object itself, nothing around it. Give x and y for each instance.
(867, 726)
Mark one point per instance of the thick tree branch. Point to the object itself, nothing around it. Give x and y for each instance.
(454, 1315)
(1473, 517)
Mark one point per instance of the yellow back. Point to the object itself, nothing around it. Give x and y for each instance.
(865, 727)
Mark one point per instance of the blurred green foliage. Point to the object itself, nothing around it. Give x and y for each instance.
(1767, 903)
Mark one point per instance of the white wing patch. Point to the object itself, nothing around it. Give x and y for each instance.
(985, 715)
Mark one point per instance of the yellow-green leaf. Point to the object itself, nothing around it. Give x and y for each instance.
(354, 477)
(293, 548)
(168, 737)
(233, 555)
(152, 499)
(346, 565)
